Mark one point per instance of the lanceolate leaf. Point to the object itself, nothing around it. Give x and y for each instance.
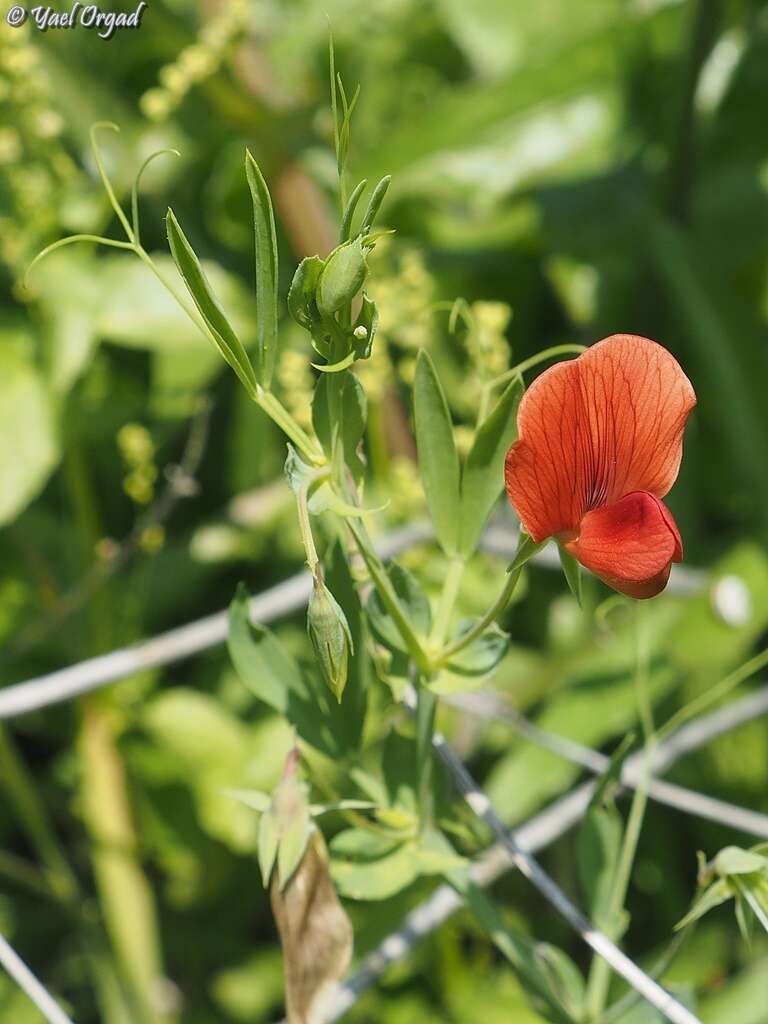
(483, 477)
(208, 305)
(274, 677)
(438, 459)
(266, 271)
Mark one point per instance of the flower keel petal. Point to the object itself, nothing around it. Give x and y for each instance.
(630, 545)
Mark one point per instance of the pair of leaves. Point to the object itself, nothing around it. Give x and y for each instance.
(369, 866)
(208, 305)
(459, 504)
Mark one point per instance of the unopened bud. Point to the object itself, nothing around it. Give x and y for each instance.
(329, 632)
(361, 332)
(342, 277)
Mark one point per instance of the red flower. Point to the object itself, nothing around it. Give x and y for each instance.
(600, 444)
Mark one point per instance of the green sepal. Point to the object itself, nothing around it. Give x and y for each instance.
(301, 295)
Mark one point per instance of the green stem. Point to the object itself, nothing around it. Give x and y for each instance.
(447, 601)
(715, 693)
(426, 710)
(540, 357)
(484, 622)
(280, 416)
(305, 527)
(388, 596)
(34, 820)
(600, 972)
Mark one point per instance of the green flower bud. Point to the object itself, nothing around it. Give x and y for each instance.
(329, 632)
(342, 277)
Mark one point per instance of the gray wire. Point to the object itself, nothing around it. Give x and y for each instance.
(286, 597)
(491, 706)
(26, 980)
(531, 836)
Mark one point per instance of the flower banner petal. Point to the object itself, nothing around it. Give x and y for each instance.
(597, 428)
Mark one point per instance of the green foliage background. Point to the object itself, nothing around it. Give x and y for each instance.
(598, 167)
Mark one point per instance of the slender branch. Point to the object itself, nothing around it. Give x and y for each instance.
(599, 975)
(485, 621)
(540, 357)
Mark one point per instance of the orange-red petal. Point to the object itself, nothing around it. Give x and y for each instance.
(596, 428)
(630, 544)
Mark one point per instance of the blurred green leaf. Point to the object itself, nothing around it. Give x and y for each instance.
(483, 477)
(482, 656)
(438, 459)
(29, 446)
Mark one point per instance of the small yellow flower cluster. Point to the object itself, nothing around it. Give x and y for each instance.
(295, 377)
(406, 492)
(196, 62)
(404, 292)
(376, 373)
(33, 162)
(138, 451)
(152, 538)
(487, 347)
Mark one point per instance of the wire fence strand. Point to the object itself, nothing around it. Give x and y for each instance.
(531, 869)
(492, 706)
(533, 835)
(26, 981)
(512, 848)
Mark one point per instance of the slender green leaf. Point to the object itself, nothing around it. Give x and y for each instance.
(266, 271)
(483, 477)
(349, 212)
(374, 204)
(208, 305)
(438, 459)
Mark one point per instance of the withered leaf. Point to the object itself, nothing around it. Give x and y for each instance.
(315, 933)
